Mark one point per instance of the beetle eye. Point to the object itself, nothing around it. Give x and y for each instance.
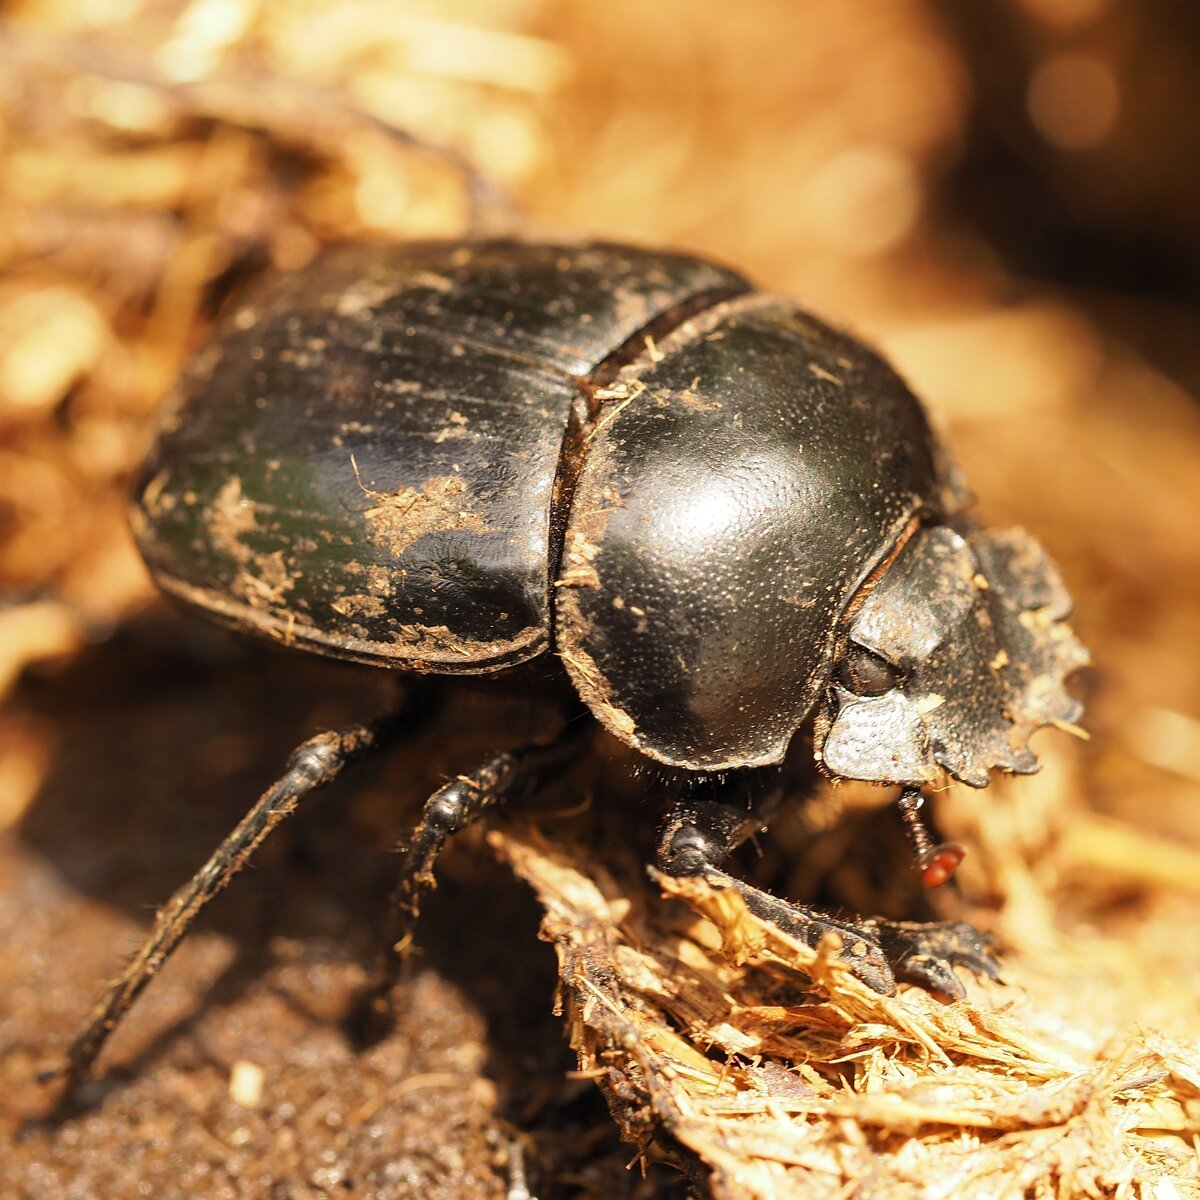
(865, 673)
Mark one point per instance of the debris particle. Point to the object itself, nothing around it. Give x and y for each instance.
(246, 1084)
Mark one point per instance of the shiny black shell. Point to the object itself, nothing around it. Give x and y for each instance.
(756, 468)
(365, 459)
(457, 457)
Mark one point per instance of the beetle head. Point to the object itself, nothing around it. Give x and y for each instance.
(950, 661)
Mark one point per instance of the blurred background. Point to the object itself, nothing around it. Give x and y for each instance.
(1005, 198)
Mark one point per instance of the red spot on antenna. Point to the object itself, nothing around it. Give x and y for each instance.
(940, 863)
(937, 863)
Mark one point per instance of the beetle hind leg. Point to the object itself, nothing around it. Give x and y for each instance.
(313, 764)
(698, 834)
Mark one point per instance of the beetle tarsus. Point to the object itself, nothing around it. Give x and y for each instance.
(926, 953)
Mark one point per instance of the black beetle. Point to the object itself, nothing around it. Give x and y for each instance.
(721, 515)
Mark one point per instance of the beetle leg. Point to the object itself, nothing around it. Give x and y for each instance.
(699, 833)
(926, 952)
(312, 764)
(696, 839)
(451, 809)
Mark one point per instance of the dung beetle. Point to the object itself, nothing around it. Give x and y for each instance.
(722, 518)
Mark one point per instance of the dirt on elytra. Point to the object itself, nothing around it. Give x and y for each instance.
(1019, 235)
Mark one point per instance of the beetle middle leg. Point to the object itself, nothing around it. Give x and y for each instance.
(700, 831)
(451, 809)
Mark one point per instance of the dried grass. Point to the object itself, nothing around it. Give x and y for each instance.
(775, 1073)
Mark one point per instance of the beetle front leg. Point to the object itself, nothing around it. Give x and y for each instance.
(699, 833)
(926, 952)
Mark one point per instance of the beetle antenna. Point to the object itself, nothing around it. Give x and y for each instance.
(936, 861)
